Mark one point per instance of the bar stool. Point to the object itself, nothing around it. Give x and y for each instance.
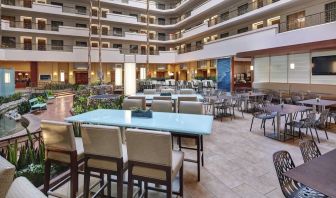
(152, 160)
(161, 106)
(104, 153)
(61, 146)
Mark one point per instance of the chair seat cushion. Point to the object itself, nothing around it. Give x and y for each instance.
(177, 161)
(108, 165)
(62, 157)
(21, 187)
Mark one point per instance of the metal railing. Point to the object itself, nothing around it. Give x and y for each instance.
(229, 14)
(37, 47)
(309, 20)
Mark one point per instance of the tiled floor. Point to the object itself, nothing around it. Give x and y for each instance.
(238, 163)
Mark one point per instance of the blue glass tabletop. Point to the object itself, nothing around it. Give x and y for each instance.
(172, 122)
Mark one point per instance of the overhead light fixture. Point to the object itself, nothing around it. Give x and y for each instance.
(55, 73)
(292, 66)
(251, 67)
(92, 73)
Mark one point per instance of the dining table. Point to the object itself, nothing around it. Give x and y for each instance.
(318, 174)
(281, 110)
(179, 125)
(318, 102)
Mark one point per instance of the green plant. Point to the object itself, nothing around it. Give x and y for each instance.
(77, 129)
(41, 99)
(24, 107)
(34, 173)
(16, 96)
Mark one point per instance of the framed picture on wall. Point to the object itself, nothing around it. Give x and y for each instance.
(45, 77)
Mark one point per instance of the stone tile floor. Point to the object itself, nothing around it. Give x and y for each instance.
(238, 163)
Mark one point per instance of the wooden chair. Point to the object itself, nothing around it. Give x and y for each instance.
(61, 146)
(152, 160)
(104, 153)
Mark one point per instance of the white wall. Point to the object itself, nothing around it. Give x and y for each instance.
(275, 69)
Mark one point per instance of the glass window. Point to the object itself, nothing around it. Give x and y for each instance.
(57, 44)
(81, 10)
(330, 12)
(133, 49)
(243, 9)
(242, 30)
(55, 25)
(8, 42)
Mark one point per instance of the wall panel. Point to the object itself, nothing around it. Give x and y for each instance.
(278, 70)
(301, 73)
(261, 69)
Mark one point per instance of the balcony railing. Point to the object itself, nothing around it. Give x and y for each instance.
(36, 47)
(309, 20)
(240, 11)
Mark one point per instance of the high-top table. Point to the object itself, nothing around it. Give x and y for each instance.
(315, 103)
(173, 96)
(283, 109)
(318, 174)
(180, 125)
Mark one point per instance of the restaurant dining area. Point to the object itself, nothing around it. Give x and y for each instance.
(167, 98)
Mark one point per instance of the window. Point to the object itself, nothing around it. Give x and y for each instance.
(330, 12)
(55, 25)
(8, 42)
(133, 30)
(133, 49)
(104, 13)
(151, 50)
(117, 46)
(224, 35)
(117, 31)
(8, 2)
(105, 45)
(41, 44)
(81, 43)
(162, 21)
(80, 9)
(225, 16)
(162, 48)
(143, 50)
(11, 20)
(27, 23)
(105, 30)
(56, 3)
(62, 76)
(41, 24)
(94, 12)
(134, 15)
(173, 20)
(199, 45)
(260, 3)
(188, 47)
(27, 3)
(162, 36)
(160, 6)
(57, 44)
(296, 20)
(243, 9)
(94, 29)
(81, 25)
(94, 44)
(242, 30)
(27, 44)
